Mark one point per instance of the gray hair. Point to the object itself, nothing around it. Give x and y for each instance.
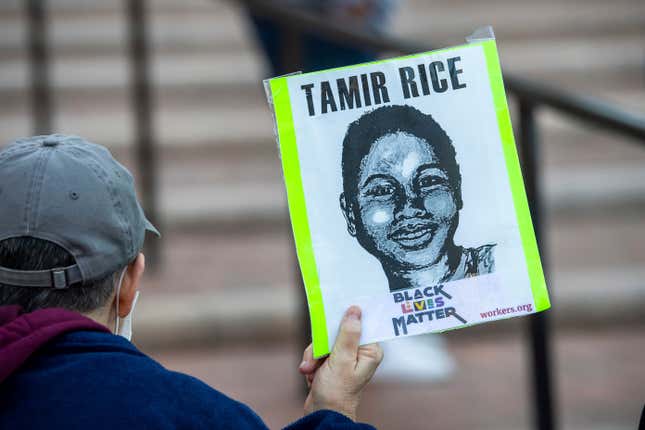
(28, 253)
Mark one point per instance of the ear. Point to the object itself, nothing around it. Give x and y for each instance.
(130, 285)
(348, 213)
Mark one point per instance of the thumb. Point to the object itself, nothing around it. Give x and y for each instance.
(346, 347)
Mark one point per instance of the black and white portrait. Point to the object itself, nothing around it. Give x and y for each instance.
(402, 196)
(405, 192)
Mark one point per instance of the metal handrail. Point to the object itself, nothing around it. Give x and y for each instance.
(585, 108)
(599, 112)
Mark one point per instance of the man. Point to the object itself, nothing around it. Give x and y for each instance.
(402, 196)
(318, 53)
(71, 231)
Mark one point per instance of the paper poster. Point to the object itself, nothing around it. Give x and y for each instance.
(406, 196)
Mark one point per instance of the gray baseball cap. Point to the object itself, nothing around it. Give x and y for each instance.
(69, 191)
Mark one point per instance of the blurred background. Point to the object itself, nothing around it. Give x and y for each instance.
(173, 88)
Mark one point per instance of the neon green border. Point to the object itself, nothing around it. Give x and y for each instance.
(298, 212)
(531, 252)
(297, 203)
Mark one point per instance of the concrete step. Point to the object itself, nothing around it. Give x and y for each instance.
(216, 87)
(238, 192)
(595, 241)
(240, 189)
(423, 20)
(211, 30)
(595, 187)
(210, 122)
(587, 145)
(237, 204)
(112, 72)
(217, 288)
(192, 126)
(222, 260)
(581, 251)
(271, 313)
(580, 54)
(449, 22)
(81, 6)
(234, 179)
(632, 101)
(574, 57)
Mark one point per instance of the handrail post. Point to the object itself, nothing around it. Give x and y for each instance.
(146, 154)
(544, 415)
(41, 105)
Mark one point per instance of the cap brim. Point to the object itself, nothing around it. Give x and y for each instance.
(151, 228)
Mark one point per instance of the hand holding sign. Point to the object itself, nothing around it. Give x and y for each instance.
(337, 381)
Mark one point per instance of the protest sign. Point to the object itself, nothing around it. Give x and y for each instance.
(405, 194)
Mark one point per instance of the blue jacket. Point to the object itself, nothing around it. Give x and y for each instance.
(90, 379)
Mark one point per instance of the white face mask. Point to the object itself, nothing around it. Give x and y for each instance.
(123, 326)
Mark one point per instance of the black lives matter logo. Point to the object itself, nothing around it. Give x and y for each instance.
(423, 306)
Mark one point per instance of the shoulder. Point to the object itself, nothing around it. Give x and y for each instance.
(485, 258)
(129, 380)
(204, 405)
(189, 402)
(480, 260)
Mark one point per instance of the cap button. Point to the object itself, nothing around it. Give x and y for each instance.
(51, 142)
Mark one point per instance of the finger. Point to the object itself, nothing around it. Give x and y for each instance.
(308, 364)
(310, 380)
(369, 358)
(346, 346)
(312, 375)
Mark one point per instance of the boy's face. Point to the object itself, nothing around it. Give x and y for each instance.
(405, 211)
